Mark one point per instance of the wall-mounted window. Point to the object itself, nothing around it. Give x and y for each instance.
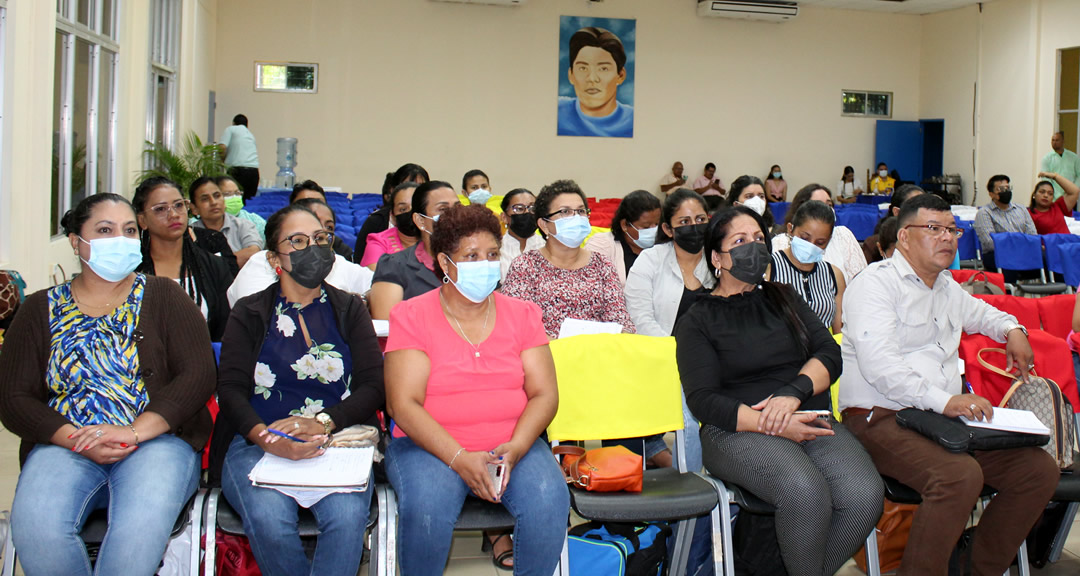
(1068, 95)
(164, 66)
(866, 104)
(84, 103)
(286, 77)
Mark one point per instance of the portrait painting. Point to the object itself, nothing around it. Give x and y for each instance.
(596, 77)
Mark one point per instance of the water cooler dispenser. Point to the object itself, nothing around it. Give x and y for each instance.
(286, 161)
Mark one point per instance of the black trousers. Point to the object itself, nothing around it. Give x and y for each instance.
(247, 178)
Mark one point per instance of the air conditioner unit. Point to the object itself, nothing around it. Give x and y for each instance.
(748, 10)
(490, 2)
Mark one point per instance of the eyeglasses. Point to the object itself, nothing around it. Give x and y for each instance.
(523, 209)
(568, 212)
(939, 230)
(299, 241)
(162, 210)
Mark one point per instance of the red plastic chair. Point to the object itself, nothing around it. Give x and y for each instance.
(1026, 310)
(1052, 360)
(1056, 313)
(994, 278)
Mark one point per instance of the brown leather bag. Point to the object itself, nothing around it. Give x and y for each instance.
(610, 469)
(892, 534)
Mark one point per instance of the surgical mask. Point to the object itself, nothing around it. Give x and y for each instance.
(234, 204)
(114, 258)
(646, 237)
(1005, 196)
(479, 196)
(757, 204)
(691, 237)
(523, 225)
(749, 262)
(806, 252)
(405, 224)
(883, 173)
(476, 280)
(433, 219)
(777, 174)
(311, 265)
(571, 231)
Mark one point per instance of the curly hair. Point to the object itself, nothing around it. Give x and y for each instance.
(549, 193)
(460, 222)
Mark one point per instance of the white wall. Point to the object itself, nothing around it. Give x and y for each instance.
(455, 87)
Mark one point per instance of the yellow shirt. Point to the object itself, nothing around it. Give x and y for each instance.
(879, 185)
(494, 203)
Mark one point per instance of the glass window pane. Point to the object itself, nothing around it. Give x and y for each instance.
(82, 14)
(79, 121)
(161, 101)
(1070, 80)
(58, 107)
(1067, 124)
(108, 26)
(105, 110)
(854, 102)
(877, 104)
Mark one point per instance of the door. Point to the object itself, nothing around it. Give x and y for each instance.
(915, 149)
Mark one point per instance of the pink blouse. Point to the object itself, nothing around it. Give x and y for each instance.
(379, 243)
(476, 398)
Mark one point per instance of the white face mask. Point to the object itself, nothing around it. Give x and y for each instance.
(883, 173)
(757, 204)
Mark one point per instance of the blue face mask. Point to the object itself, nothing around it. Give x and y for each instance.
(479, 196)
(114, 258)
(777, 174)
(476, 280)
(806, 252)
(646, 237)
(571, 232)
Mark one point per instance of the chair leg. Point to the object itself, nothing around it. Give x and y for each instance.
(717, 539)
(727, 547)
(873, 561)
(684, 531)
(389, 535)
(8, 567)
(196, 528)
(1063, 532)
(563, 569)
(210, 559)
(1022, 561)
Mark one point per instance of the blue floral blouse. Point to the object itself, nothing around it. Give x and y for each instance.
(93, 371)
(295, 377)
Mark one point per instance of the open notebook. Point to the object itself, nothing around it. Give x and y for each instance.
(347, 468)
(1011, 420)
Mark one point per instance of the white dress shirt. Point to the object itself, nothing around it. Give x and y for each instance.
(257, 275)
(511, 248)
(901, 337)
(654, 289)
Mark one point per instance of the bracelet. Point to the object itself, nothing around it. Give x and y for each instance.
(451, 464)
(135, 432)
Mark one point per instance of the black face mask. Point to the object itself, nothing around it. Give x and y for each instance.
(523, 225)
(1005, 197)
(405, 225)
(311, 265)
(691, 237)
(749, 262)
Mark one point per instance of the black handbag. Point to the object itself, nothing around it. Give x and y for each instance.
(955, 436)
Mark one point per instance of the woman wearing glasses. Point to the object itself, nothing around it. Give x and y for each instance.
(299, 357)
(562, 277)
(187, 255)
(519, 220)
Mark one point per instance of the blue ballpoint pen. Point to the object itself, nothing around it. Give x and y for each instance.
(284, 435)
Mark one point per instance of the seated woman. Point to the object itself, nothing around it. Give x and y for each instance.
(471, 383)
(170, 250)
(310, 190)
(1049, 214)
(234, 204)
(849, 188)
(403, 234)
(884, 240)
(750, 354)
(775, 185)
(208, 203)
(665, 282)
(105, 378)
(869, 245)
(519, 219)
(411, 272)
(379, 220)
(299, 357)
(802, 264)
(843, 251)
(476, 189)
(563, 278)
(633, 229)
(750, 192)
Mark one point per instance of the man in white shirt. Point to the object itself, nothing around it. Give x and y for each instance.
(902, 322)
(241, 155)
(672, 181)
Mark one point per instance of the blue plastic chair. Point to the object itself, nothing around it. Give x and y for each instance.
(1019, 252)
(1070, 258)
(861, 222)
(967, 245)
(779, 210)
(1053, 243)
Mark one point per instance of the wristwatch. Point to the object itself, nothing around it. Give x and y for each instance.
(1014, 326)
(326, 421)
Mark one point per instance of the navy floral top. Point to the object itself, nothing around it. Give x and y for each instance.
(304, 366)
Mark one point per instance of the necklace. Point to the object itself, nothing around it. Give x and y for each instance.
(487, 315)
(109, 306)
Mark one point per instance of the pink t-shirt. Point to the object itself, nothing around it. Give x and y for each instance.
(379, 243)
(478, 400)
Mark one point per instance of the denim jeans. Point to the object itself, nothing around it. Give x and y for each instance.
(271, 521)
(430, 496)
(144, 494)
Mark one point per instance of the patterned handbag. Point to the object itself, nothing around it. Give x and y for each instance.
(1043, 397)
(12, 288)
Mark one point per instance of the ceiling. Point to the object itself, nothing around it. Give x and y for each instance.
(902, 7)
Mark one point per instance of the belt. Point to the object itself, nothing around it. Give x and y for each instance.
(851, 412)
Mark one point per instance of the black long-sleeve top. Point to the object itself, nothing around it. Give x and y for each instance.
(738, 350)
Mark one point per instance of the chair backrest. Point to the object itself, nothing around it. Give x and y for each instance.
(860, 222)
(779, 210)
(1053, 243)
(1016, 251)
(994, 278)
(1056, 312)
(1070, 260)
(1025, 309)
(615, 386)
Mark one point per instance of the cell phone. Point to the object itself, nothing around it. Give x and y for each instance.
(823, 414)
(496, 472)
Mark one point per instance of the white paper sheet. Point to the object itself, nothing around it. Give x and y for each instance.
(1011, 420)
(337, 468)
(574, 327)
(382, 327)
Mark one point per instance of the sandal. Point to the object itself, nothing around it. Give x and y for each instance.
(499, 560)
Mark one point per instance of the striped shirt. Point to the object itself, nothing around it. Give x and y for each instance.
(817, 287)
(993, 220)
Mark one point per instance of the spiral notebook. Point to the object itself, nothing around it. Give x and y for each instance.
(348, 468)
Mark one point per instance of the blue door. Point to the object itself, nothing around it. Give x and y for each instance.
(900, 145)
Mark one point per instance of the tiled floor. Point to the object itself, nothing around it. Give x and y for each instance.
(465, 556)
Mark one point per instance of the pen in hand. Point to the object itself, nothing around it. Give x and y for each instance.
(284, 435)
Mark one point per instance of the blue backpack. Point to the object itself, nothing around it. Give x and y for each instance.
(617, 549)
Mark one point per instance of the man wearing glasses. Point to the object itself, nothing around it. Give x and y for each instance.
(519, 220)
(1000, 215)
(902, 322)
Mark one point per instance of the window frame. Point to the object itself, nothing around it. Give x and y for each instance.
(5, 201)
(313, 65)
(1058, 111)
(165, 22)
(866, 96)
